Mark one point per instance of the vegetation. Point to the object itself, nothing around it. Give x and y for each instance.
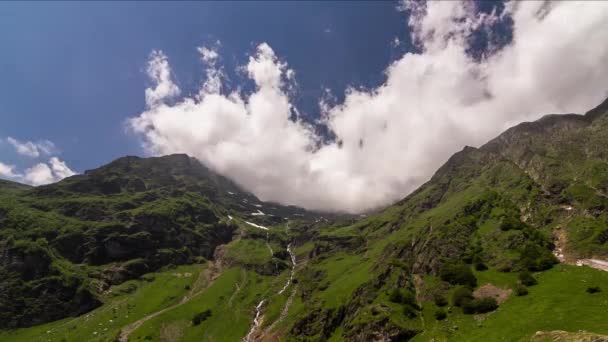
(527, 279)
(462, 296)
(480, 305)
(201, 317)
(440, 315)
(458, 274)
(521, 290)
(480, 232)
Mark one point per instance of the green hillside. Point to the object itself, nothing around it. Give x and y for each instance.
(163, 249)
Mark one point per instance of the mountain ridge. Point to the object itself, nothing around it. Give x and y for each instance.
(463, 250)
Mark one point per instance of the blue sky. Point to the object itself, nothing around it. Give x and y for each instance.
(72, 72)
(74, 78)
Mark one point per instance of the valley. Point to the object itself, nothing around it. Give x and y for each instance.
(508, 241)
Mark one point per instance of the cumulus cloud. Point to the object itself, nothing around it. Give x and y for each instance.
(7, 171)
(39, 174)
(32, 149)
(389, 139)
(160, 73)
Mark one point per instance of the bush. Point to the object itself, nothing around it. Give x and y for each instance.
(440, 315)
(462, 296)
(406, 298)
(409, 311)
(458, 274)
(510, 223)
(480, 305)
(534, 257)
(480, 266)
(201, 317)
(527, 279)
(396, 296)
(593, 289)
(521, 290)
(440, 300)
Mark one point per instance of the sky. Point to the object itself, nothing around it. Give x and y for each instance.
(342, 106)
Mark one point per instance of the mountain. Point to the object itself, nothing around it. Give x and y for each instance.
(63, 243)
(164, 249)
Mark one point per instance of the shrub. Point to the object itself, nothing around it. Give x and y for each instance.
(440, 300)
(396, 296)
(533, 256)
(510, 223)
(201, 317)
(480, 266)
(462, 296)
(593, 289)
(458, 274)
(440, 315)
(521, 290)
(480, 305)
(409, 311)
(527, 279)
(406, 298)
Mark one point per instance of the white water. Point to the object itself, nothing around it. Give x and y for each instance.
(258, 308)
(256, 321)
(293, 268)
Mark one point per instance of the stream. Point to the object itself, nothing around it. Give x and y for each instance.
(258, 309)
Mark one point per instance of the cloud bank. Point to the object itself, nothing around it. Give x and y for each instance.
(41, 173)
(389, 139)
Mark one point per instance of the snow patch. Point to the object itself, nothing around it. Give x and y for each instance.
(256, 225)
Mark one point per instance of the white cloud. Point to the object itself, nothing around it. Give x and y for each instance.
(39, 174)
(32, 149)
(160, 73)
(390, 139)
(60, 169)
(46, 173)
(7, 171)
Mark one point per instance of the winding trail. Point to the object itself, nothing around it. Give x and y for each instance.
(207, 277)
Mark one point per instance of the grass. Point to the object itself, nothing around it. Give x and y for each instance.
(558, 302)
(345, 273)
(248, 251)
(124, 304)
(232, 309)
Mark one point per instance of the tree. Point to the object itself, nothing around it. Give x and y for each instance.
(527, 279)
(201, 317)
(480, 305)
(458, 274)
(462, 296)
(440, 315)
(521, 290)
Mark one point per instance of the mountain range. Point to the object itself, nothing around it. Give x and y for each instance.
(508, 241)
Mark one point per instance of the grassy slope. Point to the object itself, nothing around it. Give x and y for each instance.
(125, 304)
(231, 298)
(558, 302)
